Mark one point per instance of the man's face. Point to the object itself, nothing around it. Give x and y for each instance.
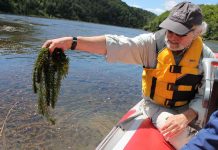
(177, 42)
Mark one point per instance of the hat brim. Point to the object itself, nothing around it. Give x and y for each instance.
(173, 26)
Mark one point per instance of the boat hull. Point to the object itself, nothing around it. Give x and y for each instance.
(134, 131)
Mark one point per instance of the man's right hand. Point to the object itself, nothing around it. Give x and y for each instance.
(64, 43)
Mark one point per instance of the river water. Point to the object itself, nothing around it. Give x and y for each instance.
(93, 97)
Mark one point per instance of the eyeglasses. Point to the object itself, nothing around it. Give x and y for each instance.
(170, 32)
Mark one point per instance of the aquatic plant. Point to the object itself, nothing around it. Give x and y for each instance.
(49, 70)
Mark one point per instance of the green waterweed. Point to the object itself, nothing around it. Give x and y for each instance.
(49, 70)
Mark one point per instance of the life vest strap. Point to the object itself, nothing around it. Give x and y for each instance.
(183, 95)
(153, 86)
(169, 103)
(172, 87)
(175, 87)
(189, 79)
(172, 104)
(179, 96)
(180, 69)
(175, 69)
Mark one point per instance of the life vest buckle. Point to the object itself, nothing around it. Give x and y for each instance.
(196, 86)
(169, 103)
(172, 87)
(175, 69)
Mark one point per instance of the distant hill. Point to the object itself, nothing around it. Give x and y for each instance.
(113, 12)
(210, 13)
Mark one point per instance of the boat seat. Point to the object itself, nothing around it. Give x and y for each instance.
(147, 137)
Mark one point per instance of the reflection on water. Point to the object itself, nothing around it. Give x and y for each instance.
(9, 46)
(93, 97)
(15, 38)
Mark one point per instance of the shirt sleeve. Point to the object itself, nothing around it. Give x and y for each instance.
(207, 138)
(197, 103)
(137, 50)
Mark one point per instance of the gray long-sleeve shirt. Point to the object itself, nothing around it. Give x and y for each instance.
(142, 50)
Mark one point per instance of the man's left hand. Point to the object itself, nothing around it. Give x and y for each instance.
(175, 124)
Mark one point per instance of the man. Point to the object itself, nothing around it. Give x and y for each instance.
(172, 68)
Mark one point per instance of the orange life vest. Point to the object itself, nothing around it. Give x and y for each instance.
(173, 85)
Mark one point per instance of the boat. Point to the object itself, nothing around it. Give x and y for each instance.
(134, 131)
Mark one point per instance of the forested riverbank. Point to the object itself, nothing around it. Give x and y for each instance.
(113, 12)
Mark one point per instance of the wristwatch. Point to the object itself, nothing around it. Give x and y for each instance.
(74, 43)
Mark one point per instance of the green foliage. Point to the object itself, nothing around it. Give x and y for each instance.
(154, 24)
(5, 6)
(210, 13)
(48, 72)
(114, 12)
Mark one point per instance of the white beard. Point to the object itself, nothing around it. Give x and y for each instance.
(178, 48)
